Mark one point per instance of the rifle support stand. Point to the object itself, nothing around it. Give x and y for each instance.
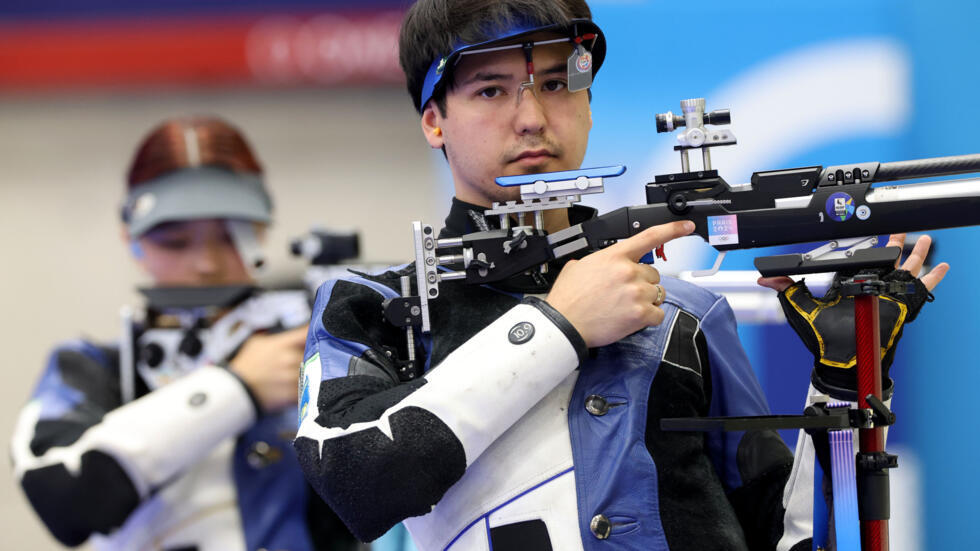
(870, 417)
(872, 461)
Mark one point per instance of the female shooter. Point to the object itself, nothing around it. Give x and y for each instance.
(178, 436)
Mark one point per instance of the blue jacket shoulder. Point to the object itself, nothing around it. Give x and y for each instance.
(689, 297)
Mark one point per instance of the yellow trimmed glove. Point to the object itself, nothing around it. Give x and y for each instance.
(826, 326)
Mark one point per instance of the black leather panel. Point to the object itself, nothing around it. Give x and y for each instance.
(521, 536)
(359, 398)
(373, 482)
(99, 499)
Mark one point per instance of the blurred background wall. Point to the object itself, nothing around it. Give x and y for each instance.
(315, 85)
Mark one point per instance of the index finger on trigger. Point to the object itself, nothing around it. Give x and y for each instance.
(651, 238)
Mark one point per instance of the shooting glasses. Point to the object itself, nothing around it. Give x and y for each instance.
(587, 55)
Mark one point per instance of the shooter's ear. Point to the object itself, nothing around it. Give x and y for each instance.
(432, 126)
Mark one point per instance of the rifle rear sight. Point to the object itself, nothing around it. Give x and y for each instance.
(696, 136)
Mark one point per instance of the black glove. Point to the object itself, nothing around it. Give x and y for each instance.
(827, 328)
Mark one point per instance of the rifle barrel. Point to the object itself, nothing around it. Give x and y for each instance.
(926, 168)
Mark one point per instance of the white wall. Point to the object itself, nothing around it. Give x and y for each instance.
(351, 158)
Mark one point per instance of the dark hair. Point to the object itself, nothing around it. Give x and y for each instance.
(165, 149)
(432, 27)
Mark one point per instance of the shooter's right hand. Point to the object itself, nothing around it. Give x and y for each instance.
(269, 366)
(608, 294)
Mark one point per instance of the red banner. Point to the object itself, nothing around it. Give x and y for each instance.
(325, 49)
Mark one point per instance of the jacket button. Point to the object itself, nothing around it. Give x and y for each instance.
(596, 405)
(261, 455)
(601, 527)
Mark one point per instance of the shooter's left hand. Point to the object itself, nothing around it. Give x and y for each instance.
(827, 328)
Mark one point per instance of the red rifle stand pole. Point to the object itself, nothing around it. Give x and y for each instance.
(874, 533)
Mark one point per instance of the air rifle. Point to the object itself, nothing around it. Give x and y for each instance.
(184, 327)
(845, 206)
